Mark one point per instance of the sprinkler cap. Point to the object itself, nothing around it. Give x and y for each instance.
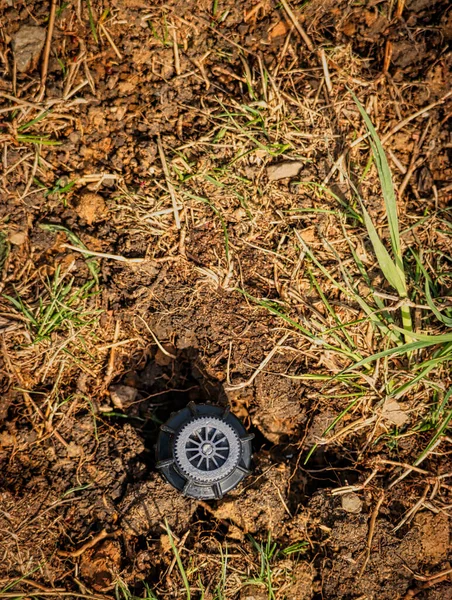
(204, 451)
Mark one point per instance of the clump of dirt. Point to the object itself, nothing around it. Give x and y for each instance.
(356, 566)
(261, 506)
(146, 505)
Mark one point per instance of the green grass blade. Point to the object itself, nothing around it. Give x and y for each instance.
(425, 337)
(387, 186)
(398, 351)
(441, 429)
(92, 24)
(178, 560)
(390, 270)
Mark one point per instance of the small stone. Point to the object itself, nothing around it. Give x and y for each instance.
(18, 238)
(122, 396)
(284, 170)
(91, 207)
(27, 45)
(74, 450)
(393, 412)
(352, 503)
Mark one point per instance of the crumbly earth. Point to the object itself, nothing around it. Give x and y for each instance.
(162, 209)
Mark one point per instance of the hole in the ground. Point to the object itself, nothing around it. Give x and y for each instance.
(167, 386)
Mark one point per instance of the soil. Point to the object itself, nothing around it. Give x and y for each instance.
(164, 316)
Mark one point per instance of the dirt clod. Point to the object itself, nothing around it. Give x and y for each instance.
(259, 507)
(100, 566)
(91, 207)
(146, 506)
(122, 396)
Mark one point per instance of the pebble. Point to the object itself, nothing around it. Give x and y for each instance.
(284, 170)
(18, 238)
(27, 45)
(352, 503)
(122, 396)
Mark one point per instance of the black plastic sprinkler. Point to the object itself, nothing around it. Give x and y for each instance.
(204, 451)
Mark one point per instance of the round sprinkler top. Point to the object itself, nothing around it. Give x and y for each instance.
(204, 451)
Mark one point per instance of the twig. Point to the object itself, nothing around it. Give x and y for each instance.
(400, 7)
(326, 72)
(111, 361)
(413, 510)
(37, 585)
(168, 181)
(117, 344)
(110, 39)
(154, 337)
(402, 124)
(104, 254)
(92, 542)
(45, 62)
(410, 469)
(32, 175)
(370, 537)
(180, 546)
(266, 360)
(47, 425)
(305, 37)
(175, 50)
(19, 101)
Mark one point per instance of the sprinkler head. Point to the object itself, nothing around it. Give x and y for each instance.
(204, 451)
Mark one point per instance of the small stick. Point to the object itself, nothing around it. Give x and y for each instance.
(33, 173)
(175, 50)
(387, 58)
(400, 7)
(181, 545)
(19, 101)
(397, 162)
(410, 469)
(104, 254)
(154, 337)
(370, 537)
(117, 344)
(45, 62)
(47, 425)
(110, 39)
(305, 37)
(92, 542)
(266, 360)
(418, 113)
(111, 361)
(326, 72)
(37, 585)
(405, 465)
(413, 510)
(168, 181)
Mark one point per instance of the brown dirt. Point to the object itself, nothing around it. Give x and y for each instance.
(80, 407)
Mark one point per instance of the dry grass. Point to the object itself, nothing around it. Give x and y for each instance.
(295, 258)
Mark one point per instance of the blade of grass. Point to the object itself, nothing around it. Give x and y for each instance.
(91, 263)
(180, 565)
(387, 186)
(92, 24)
(441, 429)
